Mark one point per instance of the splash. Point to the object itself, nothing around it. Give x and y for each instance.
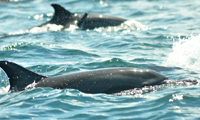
(52, 27)
(4, 90)
(127, 26)
(138, 92)
(45, 28)
(185, 54)
(31, 86)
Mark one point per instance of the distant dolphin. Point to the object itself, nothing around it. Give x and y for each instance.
(83, 21)
(112, 80)
(65, 18)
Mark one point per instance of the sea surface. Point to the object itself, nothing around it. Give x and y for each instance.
(161, 35)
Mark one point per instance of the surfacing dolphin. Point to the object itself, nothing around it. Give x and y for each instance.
(111, 80)
(65, 18)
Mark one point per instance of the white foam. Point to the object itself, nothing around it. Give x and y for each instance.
(185, 54)
(46, 28)
(127, 26)
(4, 90)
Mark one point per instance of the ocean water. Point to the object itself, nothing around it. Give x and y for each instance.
(160, 35)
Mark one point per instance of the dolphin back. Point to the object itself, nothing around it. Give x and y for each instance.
(109, 80)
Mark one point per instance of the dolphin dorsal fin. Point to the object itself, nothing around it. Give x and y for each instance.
(19, 76)
(61, 15)
(82, 21)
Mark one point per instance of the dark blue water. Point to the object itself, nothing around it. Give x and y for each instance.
(160, 35)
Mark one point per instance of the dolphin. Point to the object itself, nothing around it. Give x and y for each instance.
(83, 21)
(108, 81)
(65, 18)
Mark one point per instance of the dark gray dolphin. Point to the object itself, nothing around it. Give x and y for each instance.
(83, 21)
(107, 81)
(65, 18)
